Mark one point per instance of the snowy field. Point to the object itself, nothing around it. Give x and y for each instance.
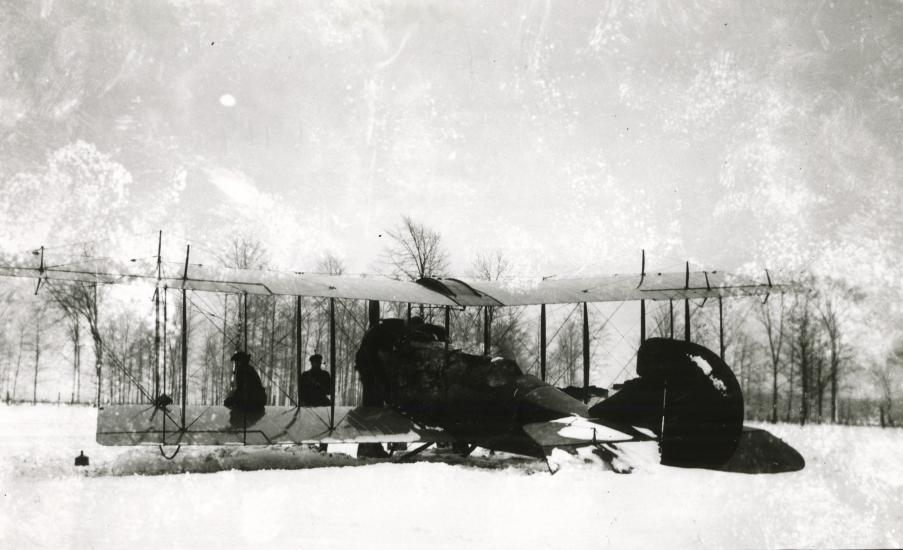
(849, 495)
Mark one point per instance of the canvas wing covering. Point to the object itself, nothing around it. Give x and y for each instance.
(216, 425)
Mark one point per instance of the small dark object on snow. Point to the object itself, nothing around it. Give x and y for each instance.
(81, 459)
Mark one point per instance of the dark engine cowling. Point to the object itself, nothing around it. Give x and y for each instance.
(406, 365)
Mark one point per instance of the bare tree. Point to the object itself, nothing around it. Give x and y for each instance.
(806, 343)
(662, 317)
(74, 333)
(18, 359)
(508, 335)
(77, 299)
(38, 329)
(885, 375)
(567, 354)
(415, 251)
(882, 374)
(831, 317)
(772, 318)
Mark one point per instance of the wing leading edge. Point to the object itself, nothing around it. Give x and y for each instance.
(431, 291)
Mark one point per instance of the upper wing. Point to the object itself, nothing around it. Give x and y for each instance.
(229, 280)
(433, 291)
(616, 288)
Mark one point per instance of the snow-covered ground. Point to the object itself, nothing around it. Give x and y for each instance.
(849, 495)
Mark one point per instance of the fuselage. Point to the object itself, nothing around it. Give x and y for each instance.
(477, 399)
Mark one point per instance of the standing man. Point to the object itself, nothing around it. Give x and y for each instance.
(247, 393)
(315, 384)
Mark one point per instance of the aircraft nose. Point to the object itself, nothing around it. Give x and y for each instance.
(540, 402)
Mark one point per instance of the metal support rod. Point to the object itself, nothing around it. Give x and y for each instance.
(642, 269)
(165, 339)
(687, 320)
(299, 352)
(184, 352)
(585, 353)
(157, 318)
(487, 330)
(687, 306)
(447, 327)
(642, 321)
(99, 363)
(671, 317)
(409, 312)
(222, 369)
(542, 342)
(721, 327)
(244, 323)
(156, 343)
(185, 337)
(332, 361)
(373, 313)
(40, 272)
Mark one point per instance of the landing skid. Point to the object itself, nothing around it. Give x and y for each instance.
(607, 453)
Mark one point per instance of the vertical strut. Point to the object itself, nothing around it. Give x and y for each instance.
(373, 313)
(185, 336)
(447, 328)
(542, 342)
(99, 364)
(165, 339)
(299, 353)
(244, 323)
(687, 320)
(642, 321)
(721, 327)
(222, 367)
(487, 330)
(687, 307)
(642, 302)
(157, 318)
(585, 353)
(332, 361)
(671, 317)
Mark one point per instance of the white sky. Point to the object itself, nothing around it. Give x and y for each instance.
(567, 135)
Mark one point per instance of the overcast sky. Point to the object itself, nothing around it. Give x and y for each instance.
(567, 134)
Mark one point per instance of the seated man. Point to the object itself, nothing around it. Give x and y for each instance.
(247, 393)
(315, 384)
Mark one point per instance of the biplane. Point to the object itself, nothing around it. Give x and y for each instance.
(420, 390)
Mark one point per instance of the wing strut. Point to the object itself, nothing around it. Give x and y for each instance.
(687, 306)
(721, 327)
(40, 272)
(542, 342)
(157, 320)
(185, 337)
(331, 362)
(642, 302)
(585, 353)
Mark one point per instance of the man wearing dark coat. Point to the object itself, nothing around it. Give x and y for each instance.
(247, 393)
(316, 384)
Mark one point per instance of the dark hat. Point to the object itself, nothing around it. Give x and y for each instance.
(316, 357)
(240, 356)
